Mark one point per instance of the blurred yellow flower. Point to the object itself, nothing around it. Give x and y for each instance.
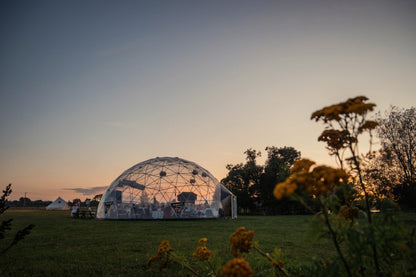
(320, 180)
(283, 189)
(368, 125)
(164, 252)
(335, 139)
(202, 251)
(302, 165)
(237, 268)
(241, 241)
(335, 112)
(202, 241)
(164, 248)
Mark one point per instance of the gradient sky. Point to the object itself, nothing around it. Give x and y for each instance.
(90, 88)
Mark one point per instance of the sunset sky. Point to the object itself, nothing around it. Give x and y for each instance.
(90, 88)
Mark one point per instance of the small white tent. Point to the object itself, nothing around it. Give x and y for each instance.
(58, 204)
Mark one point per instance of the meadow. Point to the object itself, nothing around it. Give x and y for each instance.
(62, 246)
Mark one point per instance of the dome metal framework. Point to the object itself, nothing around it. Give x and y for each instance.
(166, 188)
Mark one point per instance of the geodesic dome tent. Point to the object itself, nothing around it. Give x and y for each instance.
(166, 188)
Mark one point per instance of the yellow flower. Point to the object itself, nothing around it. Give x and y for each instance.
(368, 125)
(164, 248)
(163, 255)
(283, 189)
(202, 241)
(302, 165)
(202, 253)
(237, 268)
(241, 241)
(320, 180)
(335, 139)
(335, 112)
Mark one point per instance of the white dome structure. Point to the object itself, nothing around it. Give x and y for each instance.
(166, 188)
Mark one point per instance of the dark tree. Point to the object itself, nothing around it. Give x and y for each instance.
(397, 134)
(253, 184)
(76, 200)
(25, 202)
(98, 197)
(6, 224)
(276, 170)
(242, 180)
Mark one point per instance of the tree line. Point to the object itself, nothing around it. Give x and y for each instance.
(27, 202)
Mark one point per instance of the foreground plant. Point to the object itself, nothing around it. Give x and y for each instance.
(166, 255)
(241, 242)
(370, 246)
(237, 267)
(204, 255)
(6, 224)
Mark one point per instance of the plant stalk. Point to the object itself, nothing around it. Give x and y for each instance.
(368, 211)
(273, 261)
(335, 241)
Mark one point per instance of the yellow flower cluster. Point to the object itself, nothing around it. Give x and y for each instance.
(302, 165)
(164, 250)
(241, 241)
(348, 212)
(237, 268)
(283, 189)
(202, 251)
(335, 112)
(335, 139)
(320, 180)
(368, 125)
(202, 241)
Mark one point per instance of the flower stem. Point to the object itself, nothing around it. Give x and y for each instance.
(212, 268)
(368, 211)
(179, 261)
(334, 240)
(191, 270)
(273, 261)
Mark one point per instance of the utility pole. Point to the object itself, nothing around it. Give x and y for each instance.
(24, 200)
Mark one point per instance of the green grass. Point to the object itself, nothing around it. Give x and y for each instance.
(62, 246)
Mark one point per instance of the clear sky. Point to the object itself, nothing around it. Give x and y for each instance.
(90, 88)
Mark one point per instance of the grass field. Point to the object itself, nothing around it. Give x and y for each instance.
(62, 246)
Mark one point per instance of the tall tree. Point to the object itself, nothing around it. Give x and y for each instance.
(397, 134)
(253, 184)
(276, 170)
(243, 178)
